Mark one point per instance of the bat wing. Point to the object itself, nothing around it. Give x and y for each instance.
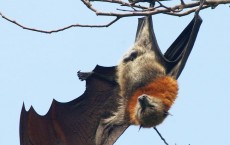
(177, 54)
(76, 122)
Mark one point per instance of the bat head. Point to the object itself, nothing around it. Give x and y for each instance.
(150, 111)
(149, 105)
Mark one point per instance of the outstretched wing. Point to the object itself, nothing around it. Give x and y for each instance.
(177, 54)
(75, 122)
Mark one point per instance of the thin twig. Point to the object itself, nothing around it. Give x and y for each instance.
(162, 138)
(186, 12)
(89, 5)
(126, 10)
(60, 29)
(122, 3)
(163, 6)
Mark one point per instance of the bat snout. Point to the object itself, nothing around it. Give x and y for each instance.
(142, 97)
(144, 101)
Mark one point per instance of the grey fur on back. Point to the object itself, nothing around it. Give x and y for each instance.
(145, 67)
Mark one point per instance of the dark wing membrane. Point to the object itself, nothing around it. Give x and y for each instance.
(108, 134)
(77, 121)
(177, 54)
(145, 35)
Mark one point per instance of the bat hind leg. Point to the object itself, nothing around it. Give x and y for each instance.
(84, 75)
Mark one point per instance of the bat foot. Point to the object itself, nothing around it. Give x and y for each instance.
(84, 75)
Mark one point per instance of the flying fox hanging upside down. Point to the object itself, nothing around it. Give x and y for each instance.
(139, 91)
(147, 91)
(147, 79)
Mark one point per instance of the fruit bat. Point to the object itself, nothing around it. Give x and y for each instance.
(147, 78)
(139, 91)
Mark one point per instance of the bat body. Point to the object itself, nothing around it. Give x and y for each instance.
(147, 78)
(139, 91)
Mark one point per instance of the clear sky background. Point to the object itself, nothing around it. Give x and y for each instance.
(35, 68)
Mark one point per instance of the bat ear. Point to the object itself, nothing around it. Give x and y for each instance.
(107, 134)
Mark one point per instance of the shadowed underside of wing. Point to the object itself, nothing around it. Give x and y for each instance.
(177, 54)
(74, 122)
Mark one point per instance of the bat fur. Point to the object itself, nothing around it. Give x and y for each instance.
(142, 102)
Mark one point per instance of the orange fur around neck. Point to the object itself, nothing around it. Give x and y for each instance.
(164, 88)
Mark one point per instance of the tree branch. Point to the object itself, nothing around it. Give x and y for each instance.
(60, 29)
(181, 9)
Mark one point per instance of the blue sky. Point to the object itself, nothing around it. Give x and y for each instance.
(35, 68)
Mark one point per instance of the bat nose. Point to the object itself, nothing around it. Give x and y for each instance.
(143, 101)
(142, 98)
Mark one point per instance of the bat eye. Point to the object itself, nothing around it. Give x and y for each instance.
(131, 56)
